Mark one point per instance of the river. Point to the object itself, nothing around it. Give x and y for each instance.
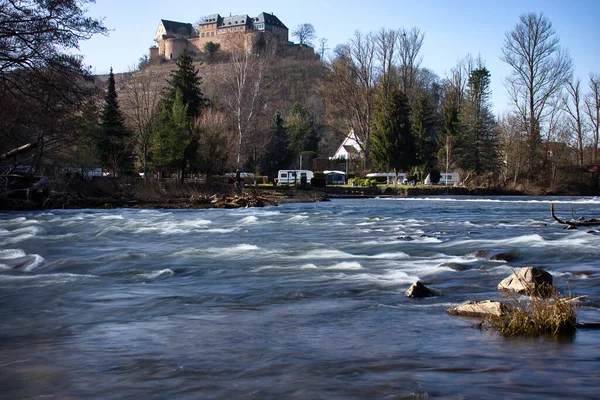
(299, 301)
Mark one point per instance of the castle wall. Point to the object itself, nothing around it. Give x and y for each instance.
(174, 48)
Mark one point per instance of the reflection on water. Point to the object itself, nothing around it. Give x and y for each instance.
(297, 301)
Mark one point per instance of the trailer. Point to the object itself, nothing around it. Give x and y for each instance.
(294, 176)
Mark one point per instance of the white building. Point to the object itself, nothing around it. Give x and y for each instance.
(349, 149)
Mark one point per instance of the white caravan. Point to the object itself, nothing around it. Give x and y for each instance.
(293, 176)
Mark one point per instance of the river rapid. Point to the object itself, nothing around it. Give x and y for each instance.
(299, 301)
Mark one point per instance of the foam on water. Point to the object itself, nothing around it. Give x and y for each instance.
(9, 254)
(298, 218)
(345, 265)
(249, 220)
(592, 200)
(156, 274)
(323, 254)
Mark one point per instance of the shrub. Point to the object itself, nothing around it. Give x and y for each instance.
(538, 316)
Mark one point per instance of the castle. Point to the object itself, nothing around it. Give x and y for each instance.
(172, 37)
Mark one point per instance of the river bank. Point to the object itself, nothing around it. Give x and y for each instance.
(105, 193)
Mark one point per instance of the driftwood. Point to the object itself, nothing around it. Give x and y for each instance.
(18, 150)
(589, 222)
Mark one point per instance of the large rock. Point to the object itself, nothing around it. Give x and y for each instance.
(480, 309)
(528, 280)
(418, 290)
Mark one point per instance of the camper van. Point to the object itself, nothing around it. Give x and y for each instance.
(448, 178)
(389, 177)
(293, 176)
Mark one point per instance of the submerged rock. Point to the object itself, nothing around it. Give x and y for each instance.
(502, 255)
(528, 280)
(456, 266)
(486, 308)
(511, 255)
(418, 290)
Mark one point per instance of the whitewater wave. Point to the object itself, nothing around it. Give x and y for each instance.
(156, 274)
(591, 200)
(345, 266)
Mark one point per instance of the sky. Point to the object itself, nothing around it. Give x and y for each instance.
(453, 28)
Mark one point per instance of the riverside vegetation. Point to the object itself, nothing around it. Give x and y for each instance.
(269, 106)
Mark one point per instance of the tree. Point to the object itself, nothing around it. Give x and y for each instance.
(142, 106)
(392, 144)
(211, 48)
(386, 42)
(247, 84)
(277, 153)
(423, 124)
(301, 131)
(36, 35)
(305, 33)
(186, 80)
(323, 48)
(478, 144)
(592, 109)
(350, 90)
(573, 104)
(115, 144)
(540, 70)
(171, 136)
(410, 47)
(214, 137)
(183, 94)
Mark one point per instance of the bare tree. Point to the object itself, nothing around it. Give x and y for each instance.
(572, 103)
(141, 106)
(410, 47)
(592, 109)
(305, 33)
(386, 45)
(351, 89)
(248, 83)
(323, 48)
(540, 69)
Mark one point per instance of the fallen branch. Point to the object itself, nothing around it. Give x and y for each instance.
(589, 222)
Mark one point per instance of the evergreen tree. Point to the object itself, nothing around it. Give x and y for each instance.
(301, 130)
(423, 128)
(277, 153)
(478, 143)
(174, 128)
(115, 144)
(186, 80)
(171, 136)
(392, 146)
(450, 128)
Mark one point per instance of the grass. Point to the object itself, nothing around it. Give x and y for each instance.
(538, 316)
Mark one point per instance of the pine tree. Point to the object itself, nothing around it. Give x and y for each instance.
(478, 143)
(174, 128)
(423, 129)
(301, 130)
(186, 79)
(116, 143)
(392, 146)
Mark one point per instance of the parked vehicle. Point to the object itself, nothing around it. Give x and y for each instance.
(389, 177)
(293, 176)
(448, 178)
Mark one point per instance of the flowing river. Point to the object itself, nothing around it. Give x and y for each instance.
(300, 301)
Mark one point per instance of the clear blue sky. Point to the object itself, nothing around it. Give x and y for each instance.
(453, 28)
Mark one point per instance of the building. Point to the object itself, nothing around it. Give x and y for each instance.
(349, 149)
(172, 37)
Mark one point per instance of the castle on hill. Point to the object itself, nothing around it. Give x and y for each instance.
(172, 37)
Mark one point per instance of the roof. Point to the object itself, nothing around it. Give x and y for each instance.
(236, 20)
(174, 26)
(270, 19)
(211, 19)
